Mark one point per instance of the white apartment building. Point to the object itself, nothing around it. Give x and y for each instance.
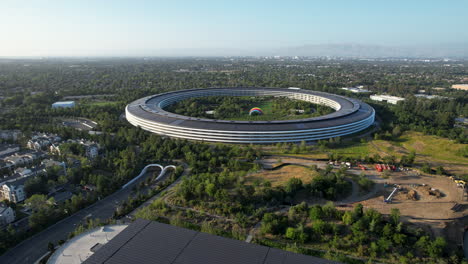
(13, 191)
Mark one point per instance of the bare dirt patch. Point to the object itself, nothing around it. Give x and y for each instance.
(280, 176)
(421, 197)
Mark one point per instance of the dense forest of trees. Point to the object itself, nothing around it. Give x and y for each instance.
(433, 117)
(112, 76)
(228, 192)
(30, 87)
(360, 232)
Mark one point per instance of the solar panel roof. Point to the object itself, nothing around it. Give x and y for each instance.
(146, 242)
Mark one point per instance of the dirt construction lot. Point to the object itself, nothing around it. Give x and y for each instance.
(421, 197)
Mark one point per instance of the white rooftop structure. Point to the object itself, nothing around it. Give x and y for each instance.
(386, 98)
(460, 86)
(63, 104)
(461, 120)
(430, 96)
(82, 246)
(358, 89)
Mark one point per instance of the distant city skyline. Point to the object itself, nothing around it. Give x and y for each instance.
(217, 28)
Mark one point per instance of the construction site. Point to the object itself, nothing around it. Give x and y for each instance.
(436, 203)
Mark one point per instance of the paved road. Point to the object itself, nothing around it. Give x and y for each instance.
(186, 172)
(33, 248)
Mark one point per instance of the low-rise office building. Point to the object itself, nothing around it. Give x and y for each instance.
(386, 98)
(358, 89)
(430, 96)
(63, 104)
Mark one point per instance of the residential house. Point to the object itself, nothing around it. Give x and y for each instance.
(54, 149)
(10, 134)
(49, 163)
(13, 191)
(7, 215)
(61, 197)
(41, 141)
(24, 172)
(8, 149)
(91, 148)
(19, 160)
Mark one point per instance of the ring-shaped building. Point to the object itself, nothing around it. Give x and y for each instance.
(351, 116)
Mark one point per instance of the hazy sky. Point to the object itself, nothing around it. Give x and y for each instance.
(137, 27)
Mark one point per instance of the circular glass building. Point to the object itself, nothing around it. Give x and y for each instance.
(351, 116)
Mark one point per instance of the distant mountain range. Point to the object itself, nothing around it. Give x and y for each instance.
(459, 51)
(343, 50)
(377, 51)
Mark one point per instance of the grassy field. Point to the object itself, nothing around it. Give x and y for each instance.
(280, 176)
(431, 149)
(434, 147)
(237, 108)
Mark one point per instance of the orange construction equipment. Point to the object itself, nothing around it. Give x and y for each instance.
(378, 167)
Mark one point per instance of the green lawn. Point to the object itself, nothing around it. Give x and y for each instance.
(357, 149)
(268, 114)
(237, 108)
(429, 149)
(436, 147)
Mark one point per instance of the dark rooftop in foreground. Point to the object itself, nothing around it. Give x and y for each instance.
(151, 242)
